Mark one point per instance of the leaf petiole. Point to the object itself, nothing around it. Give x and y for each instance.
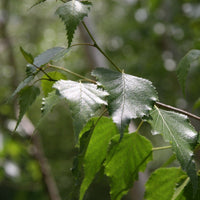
(70, 72)
(161, 148)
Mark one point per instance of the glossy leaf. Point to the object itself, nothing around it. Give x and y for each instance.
(29, 58)
(126, 157)
(49, 102)
(84, 100)
(72, 13)
(162, 183)
(184, 65)
(47, 84)
(96, 151)
(130, 97)
(50, 54)
(27, 96)
(178, 131)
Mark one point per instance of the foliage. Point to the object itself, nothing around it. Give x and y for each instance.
(123, 98)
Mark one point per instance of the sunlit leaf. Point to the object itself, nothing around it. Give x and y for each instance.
(84, 100)
(102, 133)
(178, 131)
(26, 97)
(162, 183)
(126, 157)
(72, 13)
(184, 65)
(130, 97)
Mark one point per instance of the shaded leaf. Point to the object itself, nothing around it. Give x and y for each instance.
(50, 54)
(37, 3)
(27, 96)
(184, 65)
(189, 191)
(49, 102)
(162, 183)
(178, 131)
(47, 84)
(197, 104)
(31, 70)
(102, 133)
(130, 97)
(22, 85)
(84, 100)
(72, 13)
(125, 159)
(29, 58)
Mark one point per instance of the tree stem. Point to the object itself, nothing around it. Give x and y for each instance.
(177, 110)
(73, 73)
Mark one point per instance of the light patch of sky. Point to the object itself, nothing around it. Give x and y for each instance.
(141, 15)
(159, 28)
(169, 64)
(11, 169)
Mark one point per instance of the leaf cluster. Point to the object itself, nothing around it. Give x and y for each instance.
(104, 142)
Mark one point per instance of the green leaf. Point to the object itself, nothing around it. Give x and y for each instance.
(104, 130)
(29, 58)
(22, 85)
(84, 100)
(72, 13)
(189, 192)
(47, 84)
(184, 65)
(162, 183)
(49, 102)
(27, 96)
(197, 104)
(130, 97)
(125, 159)
(178, 131)
(51, 54)
(31, 70)
(37, 3)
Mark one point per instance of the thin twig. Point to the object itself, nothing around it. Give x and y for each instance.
(97, 46)
(73, 73)
(159, 104)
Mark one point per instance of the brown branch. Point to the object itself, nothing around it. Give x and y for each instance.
(26, 124)
(168, 107)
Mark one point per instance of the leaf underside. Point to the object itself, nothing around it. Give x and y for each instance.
(184, 65)
(104, 130)
(162, 183)
(130, 97)
(49, 102)
(72, 13)
(177, 130)
(84, 100)
(126, 157)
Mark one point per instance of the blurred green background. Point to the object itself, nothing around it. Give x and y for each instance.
(145, 38)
